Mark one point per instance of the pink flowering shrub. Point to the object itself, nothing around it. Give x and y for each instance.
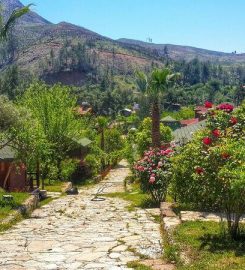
(209, 171)
(154, 171)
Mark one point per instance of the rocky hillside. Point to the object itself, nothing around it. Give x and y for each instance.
(72, 54)
(178, 52)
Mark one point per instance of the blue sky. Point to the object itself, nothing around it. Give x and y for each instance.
(210, 24)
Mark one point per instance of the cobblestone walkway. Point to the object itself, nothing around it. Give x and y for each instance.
(74, 232)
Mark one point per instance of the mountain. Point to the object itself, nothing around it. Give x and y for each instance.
(178, 52)
(73, 55)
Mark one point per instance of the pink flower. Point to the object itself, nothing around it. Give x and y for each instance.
(152, 180)
(233, 120)
(216, 133)
(207, 140)
(199, 170)
(208, 104)
(160, 164)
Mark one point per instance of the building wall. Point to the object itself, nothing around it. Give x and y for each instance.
(17, 177)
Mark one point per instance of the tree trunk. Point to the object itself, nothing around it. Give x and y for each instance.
(233, 225)
(38, 173)
(156, 137)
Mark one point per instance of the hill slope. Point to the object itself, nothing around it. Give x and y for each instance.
(72, 54)
(178, 52)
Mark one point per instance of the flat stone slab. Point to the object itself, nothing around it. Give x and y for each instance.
(204, 216)
(77, 233)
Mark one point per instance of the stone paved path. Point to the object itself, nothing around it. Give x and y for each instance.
(74, 232)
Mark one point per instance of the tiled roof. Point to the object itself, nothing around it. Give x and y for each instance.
(201, 109)
(188, 122)
(185, 134)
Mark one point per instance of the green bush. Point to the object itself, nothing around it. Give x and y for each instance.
(209, 171)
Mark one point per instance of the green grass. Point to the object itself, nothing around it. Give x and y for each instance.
(137, 266)
(53, 186)
(7, 209)
(45, 201)
(208, 248)
(56, 186)
(137, 198)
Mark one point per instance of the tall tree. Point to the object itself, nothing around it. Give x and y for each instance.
(154, 86)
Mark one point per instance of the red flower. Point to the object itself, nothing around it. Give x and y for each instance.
(225, 155)
(207, 140)
(233, 120)
(216, 133)
(199, 170)
(208, 104)
(225, 107)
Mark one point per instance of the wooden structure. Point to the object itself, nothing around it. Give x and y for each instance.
(170, 122)
(13, 177)
(79, 152)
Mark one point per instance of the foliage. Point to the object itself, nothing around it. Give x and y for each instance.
(153, 86)
(143, 137)
(16, 14)
(154, 171)
(52, 129)
(210, 169)
(9, 115)
(182, 114)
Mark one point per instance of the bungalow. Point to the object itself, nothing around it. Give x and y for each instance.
(170, 122)
(84, 109)
(79, 152)
(201, 112)
(13, 177)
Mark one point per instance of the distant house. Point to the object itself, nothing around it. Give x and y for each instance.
(184, 134)
(189, 122)
(13, 177)
(80, 149)
(126, 112)
(84, 109)
(201, 112)
(170, 122)
(172, 106)
(79, 152)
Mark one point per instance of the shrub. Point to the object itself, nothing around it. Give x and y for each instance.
(210, 169)
(154, 171)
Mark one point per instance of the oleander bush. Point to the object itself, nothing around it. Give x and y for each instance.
(209, 171)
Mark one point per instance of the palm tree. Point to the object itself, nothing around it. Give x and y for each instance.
(153, 86)
(16, 14)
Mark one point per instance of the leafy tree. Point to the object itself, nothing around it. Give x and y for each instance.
(153, 87)
(53, 108)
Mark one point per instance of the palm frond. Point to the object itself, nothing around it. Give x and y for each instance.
(16, 14)
(141, 81)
